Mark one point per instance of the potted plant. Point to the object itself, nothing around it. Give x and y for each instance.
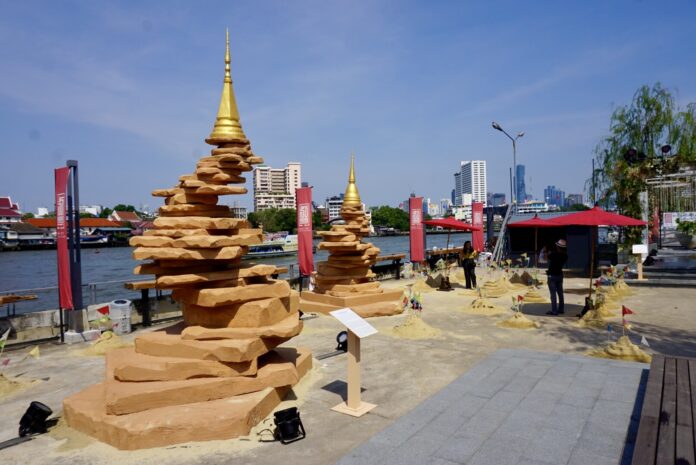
(686, 234)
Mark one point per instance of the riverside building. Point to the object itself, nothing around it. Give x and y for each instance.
(275, 187)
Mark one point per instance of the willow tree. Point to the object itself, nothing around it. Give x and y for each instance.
(636, 149)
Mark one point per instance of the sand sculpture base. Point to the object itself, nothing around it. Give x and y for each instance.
(385, 303)
(421, 286)
(415, 328)
(592, 319)
(136, 415)
(494, 289)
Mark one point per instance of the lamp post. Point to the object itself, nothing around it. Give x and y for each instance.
(514, 159)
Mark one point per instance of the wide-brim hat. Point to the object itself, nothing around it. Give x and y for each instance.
(561, 243)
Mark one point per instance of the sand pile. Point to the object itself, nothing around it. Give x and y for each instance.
(623, 349)
(107, 341)
(609, 296)
(519, 321)
(622, 289)
(533, 296)
(494, 289)
(421, 286)
(592, 319)
(9, 386)
(483, 306)
(415, 328)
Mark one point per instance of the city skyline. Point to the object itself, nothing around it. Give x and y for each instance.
(412, 93)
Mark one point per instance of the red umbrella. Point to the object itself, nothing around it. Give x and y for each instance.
(534, 222)
(596, 217)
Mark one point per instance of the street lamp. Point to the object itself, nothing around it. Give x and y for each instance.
(514, 159)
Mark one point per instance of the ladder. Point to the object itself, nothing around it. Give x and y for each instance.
(502, 234)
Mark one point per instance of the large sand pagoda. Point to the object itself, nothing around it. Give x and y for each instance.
(346, 278)
(218, 373)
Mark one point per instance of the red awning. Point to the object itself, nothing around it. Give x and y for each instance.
(534, 222)
(451, 223)
(596, 217)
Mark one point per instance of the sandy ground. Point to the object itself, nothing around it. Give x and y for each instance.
(398, 373)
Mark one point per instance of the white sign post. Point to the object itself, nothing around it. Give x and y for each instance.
(358, 328)
(641, 250)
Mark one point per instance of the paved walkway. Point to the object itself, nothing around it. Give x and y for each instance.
(519, 407)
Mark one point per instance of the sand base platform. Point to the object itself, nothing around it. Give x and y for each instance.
(224, 418)
(386, 303)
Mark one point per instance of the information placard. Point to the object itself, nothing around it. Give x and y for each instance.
(354, 322)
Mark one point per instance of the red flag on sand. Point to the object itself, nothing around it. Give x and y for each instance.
(104, 310)
(520, 298)
(626, 311)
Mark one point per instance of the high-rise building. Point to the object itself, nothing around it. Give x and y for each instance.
(497, 200)
(573, 199)
(521, 186)
(275, 187)
(333, 206)
(554, 196)
(471, 179)
(445, 206)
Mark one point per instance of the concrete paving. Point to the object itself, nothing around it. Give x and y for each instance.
(520, 407)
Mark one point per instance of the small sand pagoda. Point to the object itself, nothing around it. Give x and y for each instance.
(216, 375)
(345, 279)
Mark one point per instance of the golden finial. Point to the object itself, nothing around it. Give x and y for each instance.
(227, 127)
(352, 196)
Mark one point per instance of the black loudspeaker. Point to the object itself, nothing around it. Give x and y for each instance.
(289, 427)
(34, 419)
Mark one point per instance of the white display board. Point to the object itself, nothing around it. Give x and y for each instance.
(354, 322)
(640, 249)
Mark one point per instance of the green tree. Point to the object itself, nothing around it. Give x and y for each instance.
(318, 222)
(27, 216)
(390, 217)
(275, 219)
(125, 208)
(631, 153)
(105, 213)
(86, 215)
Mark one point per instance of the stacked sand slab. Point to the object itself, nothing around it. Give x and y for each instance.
(219, 372)
(346, 279)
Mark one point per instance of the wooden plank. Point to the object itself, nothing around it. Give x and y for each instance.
(692, 378)
(646, 438)
(685, 426)
(666, 439)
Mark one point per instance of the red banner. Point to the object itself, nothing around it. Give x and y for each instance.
(417, 236)
(64, 287)
(477, 220)
(305, 256)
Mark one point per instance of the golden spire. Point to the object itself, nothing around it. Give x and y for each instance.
(352, 196)
(227, 127)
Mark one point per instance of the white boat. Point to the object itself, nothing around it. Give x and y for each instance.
(274, 248)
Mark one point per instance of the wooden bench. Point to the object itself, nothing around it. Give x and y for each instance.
(395, 264)
(666, 434)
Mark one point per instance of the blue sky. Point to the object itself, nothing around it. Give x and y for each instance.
(130, 89)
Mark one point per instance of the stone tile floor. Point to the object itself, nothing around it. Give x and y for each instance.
(520, 407)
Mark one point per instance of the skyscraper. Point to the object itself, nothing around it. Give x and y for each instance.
(471, 179)
(521, 186)
(554, 196)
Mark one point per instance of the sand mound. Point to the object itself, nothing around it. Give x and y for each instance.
(421, 286)
(494, 289)
(533, 296)
(10, 386)
(107, 341)
(622, 289)
(415, 328)
(592, 319)
(623, 349)
(519, 321)
(605, 312)
(483, 306)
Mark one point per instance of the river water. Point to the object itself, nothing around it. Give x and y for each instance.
(106, 269)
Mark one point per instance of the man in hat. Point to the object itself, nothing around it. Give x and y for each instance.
(557, 259)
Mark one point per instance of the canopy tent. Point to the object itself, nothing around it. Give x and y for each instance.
(535, 223)
(450, 224)
(595, 217)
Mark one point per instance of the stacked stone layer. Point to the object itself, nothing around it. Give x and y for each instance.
(345, 279)
(235, 315)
